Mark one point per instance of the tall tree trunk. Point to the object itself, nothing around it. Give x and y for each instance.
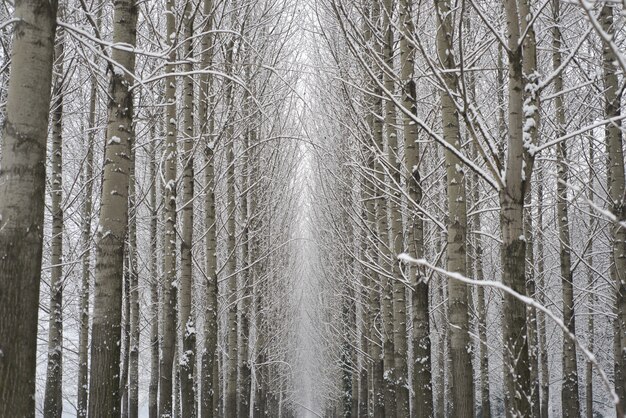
(421, 379)
(462, 384)
(126, 323)
(569, 393)
(246, 275)
(541, 317)
(22, 187)
(104, 382)
(154, 284)
(516, 179)
(210, 371)
(170, 177)
(187, 317)
(616, 186)
(83, 339)
(231, 270)
(133, 355)
(589, 259)
(53, 397)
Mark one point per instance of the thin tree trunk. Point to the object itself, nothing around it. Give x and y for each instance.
(22, 187)
(154, 285)
(462, 383)
(104, 382)
(589, 259)
(170, 176)
(187, 317)
(421, 381)
(210, 371)
(616, 186)
(231, 270)
(53, 397)
(569, 393)
(133, 356)
(83, 341)
(541, 317)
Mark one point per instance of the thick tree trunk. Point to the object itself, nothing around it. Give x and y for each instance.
(22, 187)
(104, 382)
(53, 397)
(517, 175)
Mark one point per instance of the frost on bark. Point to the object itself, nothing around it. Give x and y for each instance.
(53, 396)
(153, 385)
(104, 380)
(462, 383)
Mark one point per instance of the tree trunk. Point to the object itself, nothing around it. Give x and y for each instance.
(22, 187)
(53, 397)
(106, 333)
(154, 285)
(569, 393)
(170, 175)
(133, 355)
(616, 186)
(516, 178)
(462, 383)
(83, 341)
(187, 317)
(210, 371)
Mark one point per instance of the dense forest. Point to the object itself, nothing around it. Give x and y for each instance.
(312, 208)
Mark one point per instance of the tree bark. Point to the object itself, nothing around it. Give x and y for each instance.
(104, 382)
(22, 187)
(617, 205)
(170, 176)
(187, 317)
(53, 397)
(462, 383)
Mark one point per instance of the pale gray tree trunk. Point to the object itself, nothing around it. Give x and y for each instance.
(187, 323)
(169, 289)
(462, 383)
(231, 371)
(155, 301)
(421, 361)
(541, 317)
(210, 373)
(589, 260)
(516, 179)
(83, 339)
(86, 238)
(53, 396)
(617, 206)
(569, 393)
(22, 187)
(104, 382)
(133, 351)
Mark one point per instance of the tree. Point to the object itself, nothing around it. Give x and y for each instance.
(22, 188)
